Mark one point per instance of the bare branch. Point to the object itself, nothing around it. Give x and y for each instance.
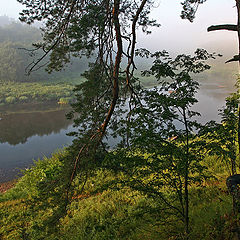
(236, 58)
(65, 24)
(229, 27)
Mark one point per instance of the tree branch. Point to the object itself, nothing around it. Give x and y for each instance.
(235, 58)
(229, 27)
(116, 66)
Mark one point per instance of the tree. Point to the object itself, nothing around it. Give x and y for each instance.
(229, 114)
(165, 152)
(225, 134)
(17, 32)
(5, 20)
(108, 30)
(190, 8)
(105, 29)
(16, 55)
(229, 131)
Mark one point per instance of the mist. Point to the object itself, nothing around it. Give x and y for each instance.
(179, 36)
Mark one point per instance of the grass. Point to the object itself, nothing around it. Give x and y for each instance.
(109, 214)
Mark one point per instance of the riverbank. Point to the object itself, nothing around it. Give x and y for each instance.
(33, 107)
(29, 134)
(28, 92)
(7, 185)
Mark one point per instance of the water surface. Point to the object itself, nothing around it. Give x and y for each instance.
(25, 136)
(28, 136)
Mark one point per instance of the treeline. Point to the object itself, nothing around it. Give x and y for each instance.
(35, 93)
(15, 42)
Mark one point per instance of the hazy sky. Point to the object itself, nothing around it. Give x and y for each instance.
(10, 8)
(181, 35)
(176, 34)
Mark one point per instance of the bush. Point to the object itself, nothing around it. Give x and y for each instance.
(39, 92)
(64, 100)
(43, 170)
(23, 98)
(10, 100)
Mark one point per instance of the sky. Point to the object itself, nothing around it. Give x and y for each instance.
(181, 35)
(10, 8)
(175, 34)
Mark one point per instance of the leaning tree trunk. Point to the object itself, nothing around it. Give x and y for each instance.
(97, 137)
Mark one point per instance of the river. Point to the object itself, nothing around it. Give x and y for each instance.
(25, 136)
(30, 135)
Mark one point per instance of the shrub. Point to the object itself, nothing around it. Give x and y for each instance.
(43, 170)
(23, 98)
(10, 100)
(64, 100)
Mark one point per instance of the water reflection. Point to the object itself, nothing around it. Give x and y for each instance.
(28, 136)
(17, 128)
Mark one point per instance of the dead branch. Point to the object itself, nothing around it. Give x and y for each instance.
(234, 59)
(229, 27)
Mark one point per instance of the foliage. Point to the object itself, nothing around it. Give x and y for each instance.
(14, 37)
(27, 186)
(190, 8)
(42, 189)
(85, 26)
(35, 92)
(10, 100)
(111, 214)
(223, 137)
(65, 100)
(15, 32)
(165, 150)
(15, 54)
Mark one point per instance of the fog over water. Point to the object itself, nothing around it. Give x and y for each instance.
(175, 34)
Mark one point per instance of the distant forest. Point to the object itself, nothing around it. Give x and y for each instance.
(15, 41)
(17, 38)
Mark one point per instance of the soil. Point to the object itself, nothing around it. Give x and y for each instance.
(7, 185)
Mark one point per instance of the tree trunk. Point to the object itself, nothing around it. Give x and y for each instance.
(186, 177)
(238, 30)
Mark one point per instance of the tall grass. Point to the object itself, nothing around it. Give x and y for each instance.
(113, 213)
